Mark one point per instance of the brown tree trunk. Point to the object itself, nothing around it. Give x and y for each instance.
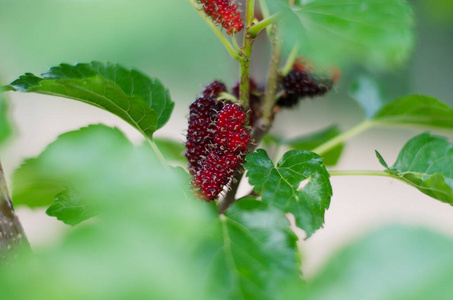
(12, 235)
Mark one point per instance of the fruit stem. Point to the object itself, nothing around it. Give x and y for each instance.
(216, 30)
(272, 80)
(235, 44)
(323, 148)
(290, 61)
(226, 96)
(256, 29)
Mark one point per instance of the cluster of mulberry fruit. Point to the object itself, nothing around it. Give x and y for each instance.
(216, 141)
(225, 13)
(301, 83)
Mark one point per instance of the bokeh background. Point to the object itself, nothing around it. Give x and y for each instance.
(168, 40)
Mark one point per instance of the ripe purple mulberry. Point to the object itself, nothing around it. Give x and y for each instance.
(301, 83)
(221, 158)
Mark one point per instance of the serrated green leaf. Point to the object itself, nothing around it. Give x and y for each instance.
(171, 150)
(140, 245)
(426, 162)
(367, 93)
(377, 33)
(315, 139)
(69, 208)
(142, 102)
(33, 190)
(5, 126)
(252, 252)
(392, 263)
(416, 110)
(279, 186)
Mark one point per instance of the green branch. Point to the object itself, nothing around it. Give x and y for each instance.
(359, 173)
(255, 29)
(323, 148)
(216, 30)
(272, 79)
(250, 14)
(246, 54)
(6, 88)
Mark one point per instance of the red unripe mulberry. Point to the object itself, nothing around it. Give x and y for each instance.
(225, 13)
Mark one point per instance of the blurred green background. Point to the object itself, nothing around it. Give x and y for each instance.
(169, 40)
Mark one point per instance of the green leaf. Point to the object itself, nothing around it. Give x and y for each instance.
(279, 186)
(252, 252)
(315, 139)
(381, 159)
(377, 33)
(140, 244)
(5, 126)
(31, 189)
(392, 263)
(70, 209)
(171, 150)
(426, 162)
(367, 93)
(142, 102)
(416, 110)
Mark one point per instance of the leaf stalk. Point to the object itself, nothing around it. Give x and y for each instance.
(323, 148)
(256, 29)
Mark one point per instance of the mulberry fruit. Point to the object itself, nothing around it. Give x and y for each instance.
(214, 89)
(225, 13)
(229, 142)
(300, 83)
(202, 118)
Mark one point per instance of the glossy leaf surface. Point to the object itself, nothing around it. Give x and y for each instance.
(426, 162)
(142, 102)
(416, 110)
(252, 252)
(279, 185)
(377, 33)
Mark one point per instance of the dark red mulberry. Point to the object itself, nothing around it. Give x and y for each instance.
(202, 123)
(225, 13)
(214, 89)
(300, 83)
(215, 173)
(229, 142)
